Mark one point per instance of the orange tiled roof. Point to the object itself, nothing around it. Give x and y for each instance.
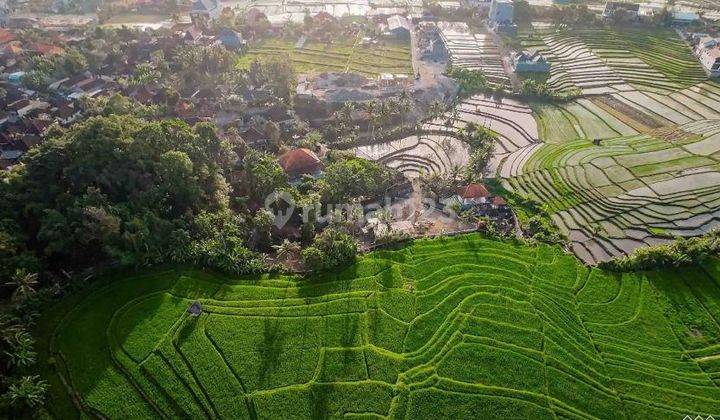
(300, 161)
(6, 36)
(46, 49)
(473, 191)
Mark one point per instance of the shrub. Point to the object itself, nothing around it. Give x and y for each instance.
(330, 249)
(470, 81)
(27, 392)
(683, 251)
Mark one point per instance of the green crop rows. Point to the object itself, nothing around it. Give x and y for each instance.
(467, 327)
(661, 49)
(315, 57)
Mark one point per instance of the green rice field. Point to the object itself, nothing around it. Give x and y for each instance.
(463, 327)
(313, 57)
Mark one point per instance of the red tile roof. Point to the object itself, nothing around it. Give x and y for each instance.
(473, 191)
(46, 49)
(6, 36)
(12, 49)
(498, 201)
(300, 161)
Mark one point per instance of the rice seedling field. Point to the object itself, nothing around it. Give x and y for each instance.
(466, 326)
(313, 57)
(473, 51)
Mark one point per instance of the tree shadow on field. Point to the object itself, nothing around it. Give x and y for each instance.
(270, 348)
(319, 407)
(326, 283)
(351, 328)
(187, 327)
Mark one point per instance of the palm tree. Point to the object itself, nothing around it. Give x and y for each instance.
(29, 391)
(24, 284)
(370, 108)
(404, 108)
(385, 217)
(286, 249)
(436, 109)
(21, 349)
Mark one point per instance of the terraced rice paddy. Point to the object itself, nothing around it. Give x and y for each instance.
(419, 155)
(627, 192)
(600, 61)
(313, 57)
(654, 174)
(466, 327)
(438, 149)
(473, 51)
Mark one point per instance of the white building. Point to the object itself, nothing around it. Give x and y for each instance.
(705, 43)
(710, 59)
(648, 10)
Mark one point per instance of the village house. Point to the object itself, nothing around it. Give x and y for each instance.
(6, 36)
(530, 62)
(398, 27)
(323, 18)
(476, 199)
(44, 49)
(204, 11)
(299, 162)
(67, 114)
(649, 10)
(710, 59)
(703, 43)
(472, 194)
(231, 40)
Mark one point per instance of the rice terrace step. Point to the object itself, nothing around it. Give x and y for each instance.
(363, 341)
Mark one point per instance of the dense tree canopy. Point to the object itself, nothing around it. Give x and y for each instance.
(120, 187)
(350, 177)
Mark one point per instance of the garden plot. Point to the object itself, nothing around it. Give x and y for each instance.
(473, 51)
(699, 103)
(462, 326)
(628, 192)
(592, 125)
(514, 124)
